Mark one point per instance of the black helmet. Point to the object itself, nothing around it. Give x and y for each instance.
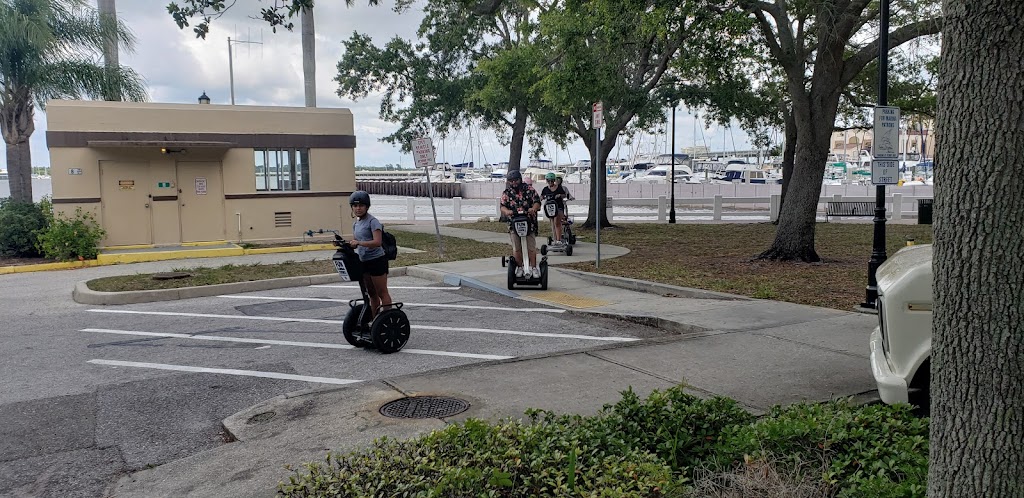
(514, 175)
(359, 197)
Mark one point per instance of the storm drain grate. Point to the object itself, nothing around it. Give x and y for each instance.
(424, 407)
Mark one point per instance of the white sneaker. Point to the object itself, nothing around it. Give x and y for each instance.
(536, 272)
(519, 272)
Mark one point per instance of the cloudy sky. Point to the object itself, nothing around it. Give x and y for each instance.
(178, 68)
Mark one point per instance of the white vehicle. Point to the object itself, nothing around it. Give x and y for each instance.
(901, 345)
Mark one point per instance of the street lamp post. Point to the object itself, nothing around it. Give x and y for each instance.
(878, 255)
(672, 179)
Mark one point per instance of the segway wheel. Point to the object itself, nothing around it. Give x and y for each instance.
(544, 277)
(350, 328)
(390, 331)
(568, 250)
(511, 274)
(543, 249)
(550, 240)
(503, 262)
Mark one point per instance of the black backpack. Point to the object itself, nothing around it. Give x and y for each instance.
(389, 244)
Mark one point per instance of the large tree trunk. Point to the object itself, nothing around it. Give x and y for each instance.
(17, 125)
(794, 238)
(977, 376)
(788, 156)
(598, 205)
(515, 151)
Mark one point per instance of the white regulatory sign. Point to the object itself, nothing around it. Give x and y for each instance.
(200, 186)
(598, 115)
(885, 172)
(423, 152)
(886, 143)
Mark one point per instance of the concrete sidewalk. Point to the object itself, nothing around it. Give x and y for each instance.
(760, 353)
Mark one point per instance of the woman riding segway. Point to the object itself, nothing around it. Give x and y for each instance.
(554, 190)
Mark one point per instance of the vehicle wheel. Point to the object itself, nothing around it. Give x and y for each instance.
(550, 240)
(568, 250)
(390, 331)
(503, 262)
(543, 249)
(511, 274)
(349, 327)
(544, 277)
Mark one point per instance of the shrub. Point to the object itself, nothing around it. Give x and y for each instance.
(475, 458)
(77, 237)
(19, 222)
(877, 450)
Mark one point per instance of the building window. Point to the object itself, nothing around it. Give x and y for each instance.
(281, 169)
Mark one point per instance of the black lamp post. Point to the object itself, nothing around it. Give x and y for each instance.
(672, 179)
(878, 255)
(203, 99)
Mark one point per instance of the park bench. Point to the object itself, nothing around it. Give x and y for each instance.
(849, 208)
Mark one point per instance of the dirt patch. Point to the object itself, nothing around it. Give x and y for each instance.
(23, 261)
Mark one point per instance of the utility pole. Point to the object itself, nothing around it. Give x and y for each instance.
(309, 57)
(878, 255)
(231, 65)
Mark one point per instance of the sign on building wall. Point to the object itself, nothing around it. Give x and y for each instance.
(74, 171)
(200, 186)
(126, 184)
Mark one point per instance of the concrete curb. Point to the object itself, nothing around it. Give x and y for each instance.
(681, 329)
(653, 288)
(455, 279)
(82, 294)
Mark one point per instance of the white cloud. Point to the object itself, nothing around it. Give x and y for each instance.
(178, 67)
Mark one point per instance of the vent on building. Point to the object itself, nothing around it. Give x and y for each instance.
(282, 219)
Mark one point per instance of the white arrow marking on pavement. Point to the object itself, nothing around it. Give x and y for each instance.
(321, 320)
(324, 345)
(356, 287)
(421, 305)
(225, 371)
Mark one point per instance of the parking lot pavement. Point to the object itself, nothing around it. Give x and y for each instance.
(294, 334)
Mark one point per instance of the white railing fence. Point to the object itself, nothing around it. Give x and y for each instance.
(714, 208)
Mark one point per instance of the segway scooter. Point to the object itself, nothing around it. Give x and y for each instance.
(521, 224)
(389, 330)
(562, 246)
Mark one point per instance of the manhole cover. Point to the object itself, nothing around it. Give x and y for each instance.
(424, 407)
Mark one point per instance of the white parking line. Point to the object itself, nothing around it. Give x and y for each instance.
(351, 286)
(420, 305)
(270, 342)
(321, 320)
(225, 371)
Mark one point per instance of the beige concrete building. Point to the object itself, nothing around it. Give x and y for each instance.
(171, 174)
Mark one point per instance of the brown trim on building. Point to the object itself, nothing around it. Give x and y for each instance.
(76, 200)
(165, 197)
(158, 139)
(266, 195)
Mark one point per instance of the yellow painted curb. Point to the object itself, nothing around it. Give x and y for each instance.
(566, 299)
(277, 250)
(66, 265)
(140, 257)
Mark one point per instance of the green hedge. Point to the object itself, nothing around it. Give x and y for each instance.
(649, 447)
(19, 223)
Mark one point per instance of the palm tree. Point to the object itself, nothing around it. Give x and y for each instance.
(50, 49)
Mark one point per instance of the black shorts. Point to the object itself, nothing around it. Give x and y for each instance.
(376, 267)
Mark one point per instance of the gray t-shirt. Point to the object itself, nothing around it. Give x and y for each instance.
(362, 230)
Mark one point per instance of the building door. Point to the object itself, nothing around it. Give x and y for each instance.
(125, 203)
(201, 201)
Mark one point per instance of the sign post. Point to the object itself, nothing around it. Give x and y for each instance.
(423, 155)
(598, 123)
(884, 147)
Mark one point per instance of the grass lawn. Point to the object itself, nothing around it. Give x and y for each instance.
(719, 257)
(455, 249)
